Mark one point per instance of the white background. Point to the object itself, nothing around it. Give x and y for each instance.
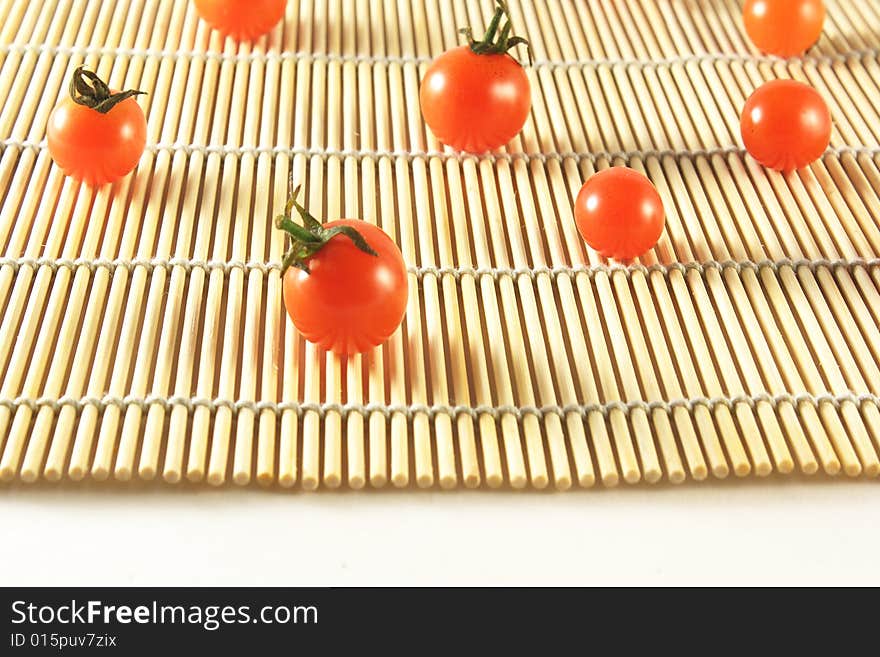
(780, 531)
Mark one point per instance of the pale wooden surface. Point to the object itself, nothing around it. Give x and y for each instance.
(142, 333)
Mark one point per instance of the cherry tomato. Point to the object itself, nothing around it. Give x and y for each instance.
(347, 288)
(243, 20)
(96, 135)
(619, 213)
(784, 27)
(477, 97)
(785, 125)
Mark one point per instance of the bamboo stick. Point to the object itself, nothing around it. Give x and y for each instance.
(183, 170)
(156, 207)
(215, 204)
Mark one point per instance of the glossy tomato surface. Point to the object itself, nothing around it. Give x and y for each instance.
(243, 20)
(784, 27)
(619, 213)
(785, 125)
(97, 148)
(351, 301)
(473, 102)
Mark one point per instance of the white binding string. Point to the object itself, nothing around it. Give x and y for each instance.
(709, 58)
(410, 410)
(188, 265)
(255, 151)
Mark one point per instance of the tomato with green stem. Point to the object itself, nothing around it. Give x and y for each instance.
(477, 97)
(345, 282)
(243, 20)
(96, 135)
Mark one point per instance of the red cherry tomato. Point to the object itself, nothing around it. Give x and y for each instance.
(475, 103)
(784, 27)
(785, 125)
(96, 135)
(243, 20)
(477, 97)
(350, 301)
(619, 213)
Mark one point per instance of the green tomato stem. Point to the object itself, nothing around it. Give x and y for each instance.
(87, 89)
(492, 42)
(308, 239)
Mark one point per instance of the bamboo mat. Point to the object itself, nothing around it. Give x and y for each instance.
(142, 331)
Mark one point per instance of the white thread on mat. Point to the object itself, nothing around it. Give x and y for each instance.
(457, 272)
(629, 270)
(147, 263)
(410, 410)
(444, 155)
(711, 58)
(407, 154)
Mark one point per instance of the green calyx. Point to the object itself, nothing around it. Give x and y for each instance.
(87, 89)
(496, 42)
(308, 239)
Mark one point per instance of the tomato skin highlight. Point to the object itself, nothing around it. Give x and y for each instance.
(475, 103)
(785, 125)
(243, 20)
(619, 213)
(351, 301)
(784, 27)
(96, 148)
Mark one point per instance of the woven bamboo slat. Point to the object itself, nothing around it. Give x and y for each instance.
(142, 331)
